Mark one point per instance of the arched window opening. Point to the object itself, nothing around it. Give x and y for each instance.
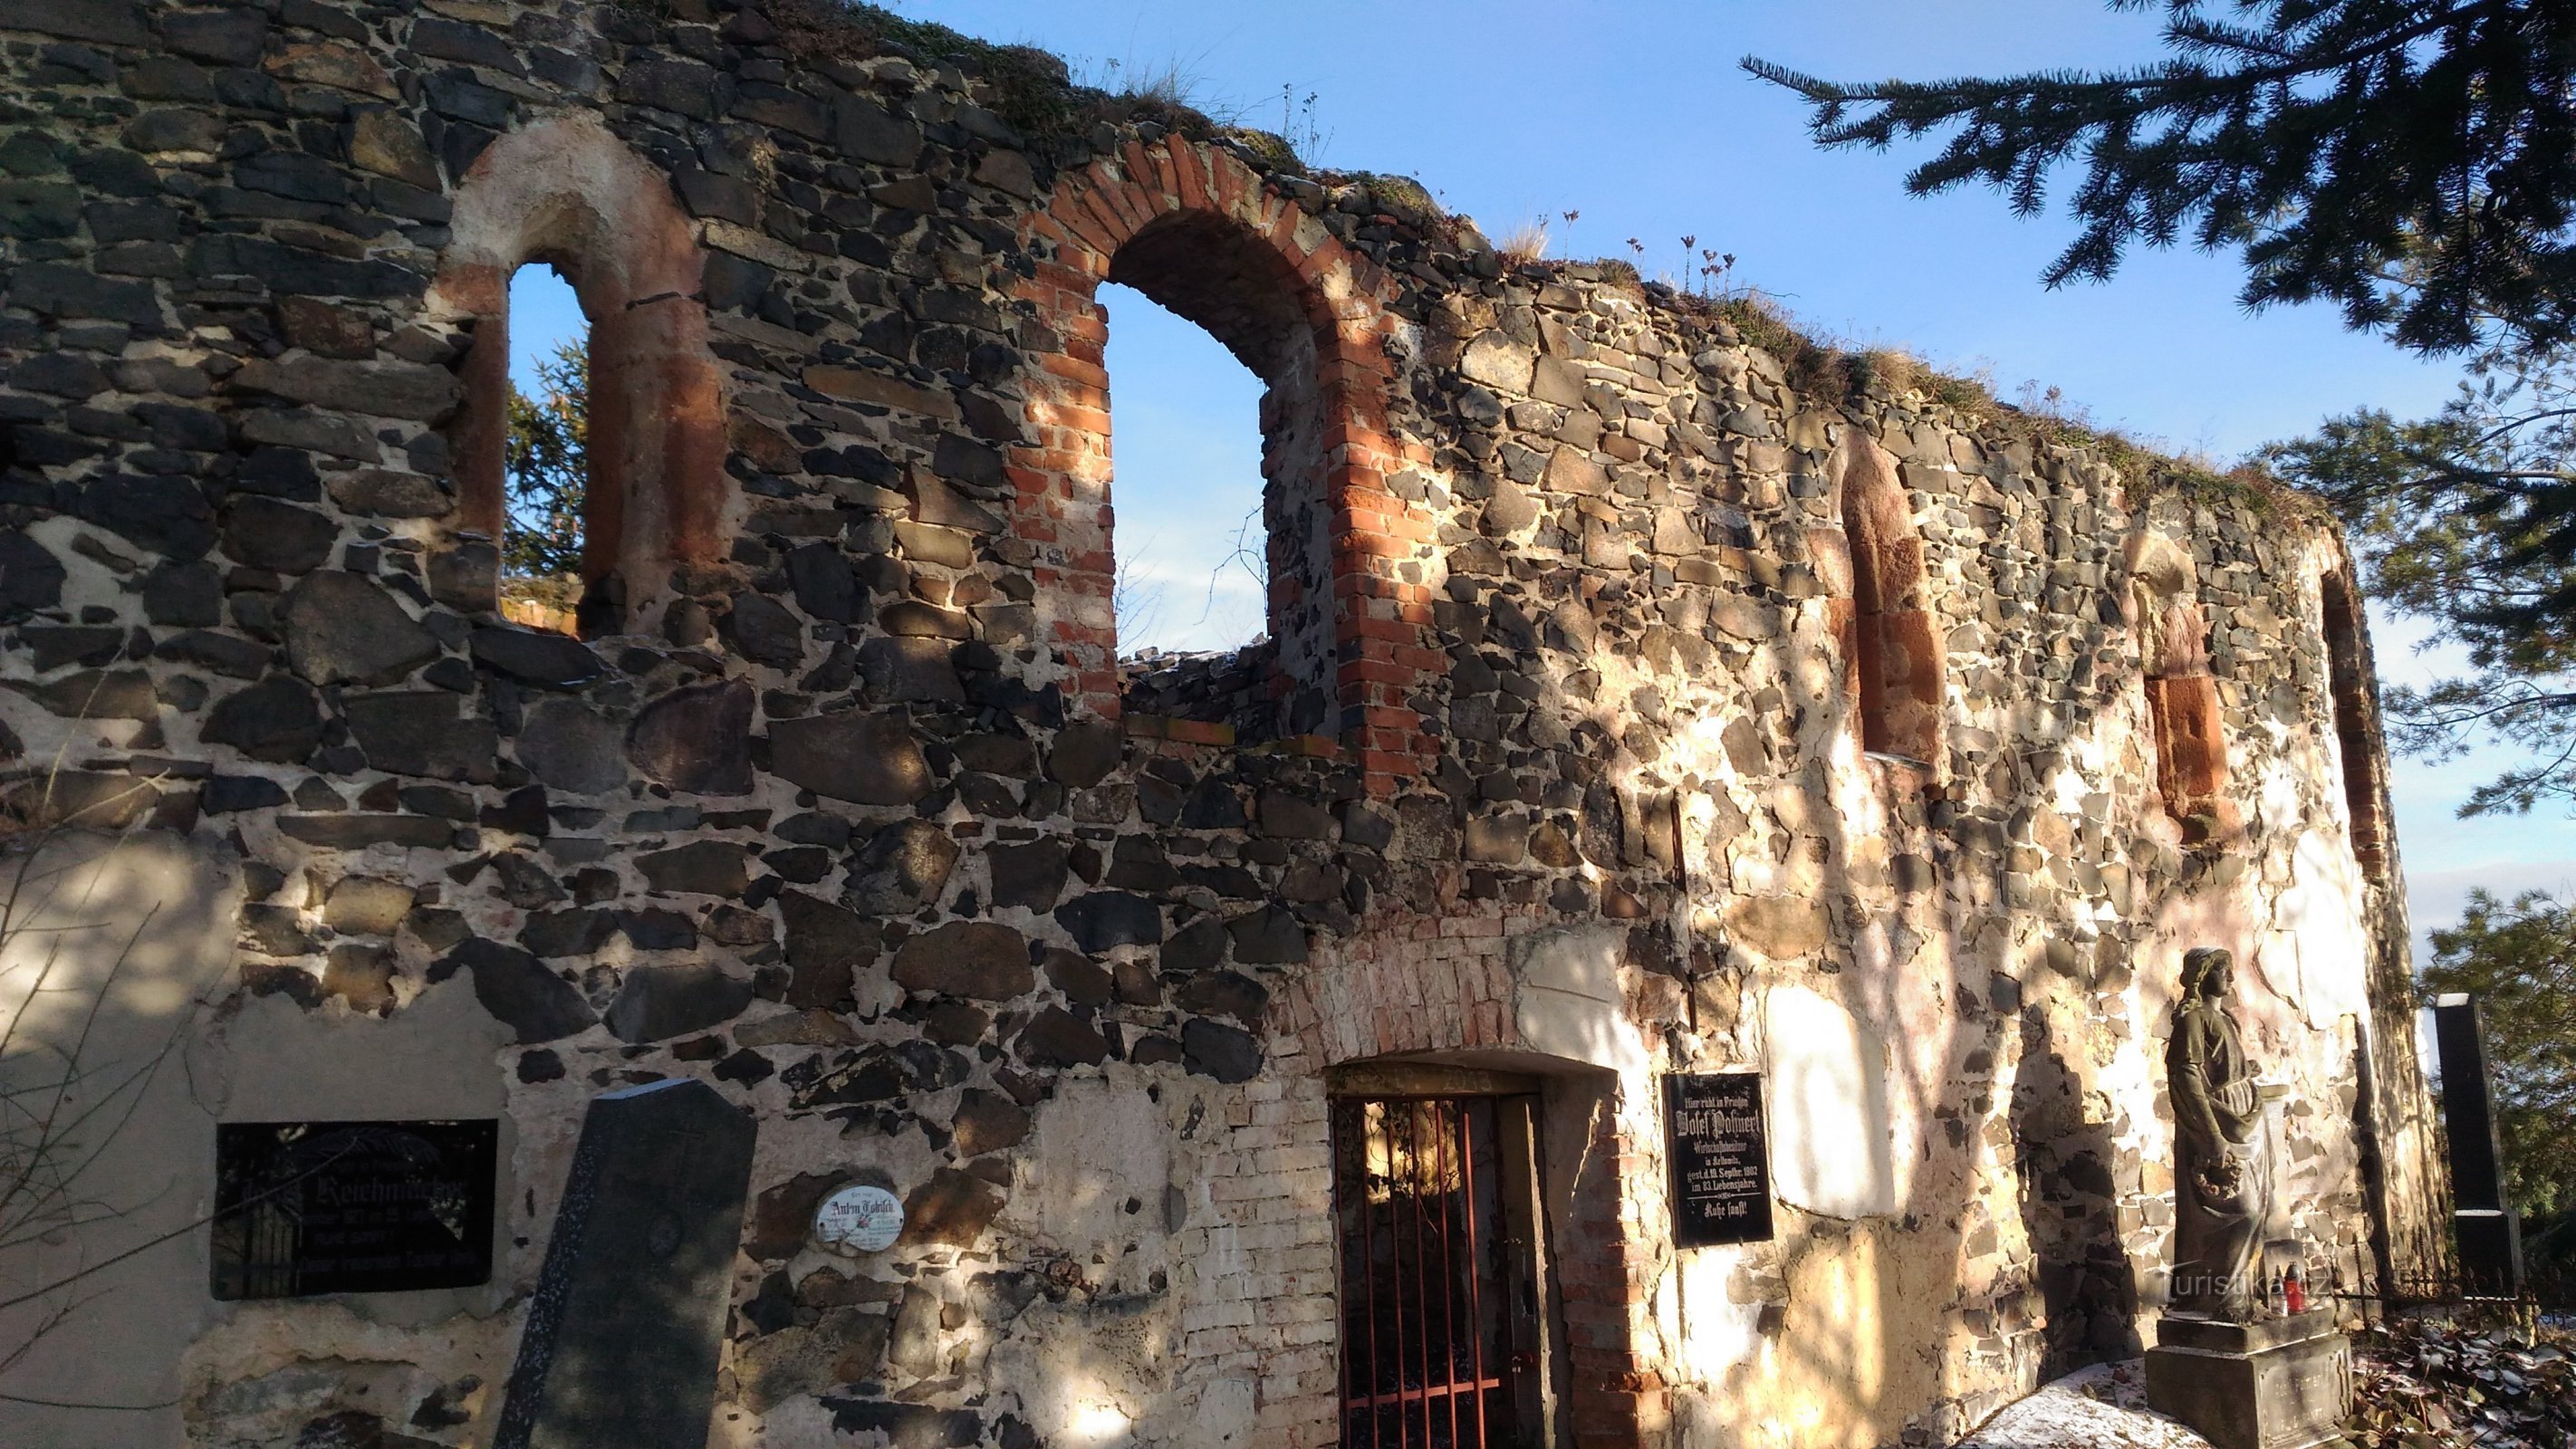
(2348, 680)
(545, 512)
(570, 198)
(1892, 650)
(1267, 553)
(2183, 715)
(1352, 553)
(1190, 600)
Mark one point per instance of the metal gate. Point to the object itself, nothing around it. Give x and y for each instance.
(1440, 1348)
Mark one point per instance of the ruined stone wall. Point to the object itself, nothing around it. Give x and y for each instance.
(1556, 763)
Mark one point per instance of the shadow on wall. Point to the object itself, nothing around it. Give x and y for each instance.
(108, 944)
(2062, 1169)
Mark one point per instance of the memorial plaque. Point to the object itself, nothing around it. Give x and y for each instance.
(303, 1208)
(626, 1326)
(1721, 1166)
(859, 1219)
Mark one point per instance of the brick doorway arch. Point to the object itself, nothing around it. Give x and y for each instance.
(1195, 229)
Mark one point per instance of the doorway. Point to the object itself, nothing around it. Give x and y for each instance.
(1445, 1309)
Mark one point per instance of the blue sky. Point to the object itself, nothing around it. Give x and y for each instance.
(1635, 115)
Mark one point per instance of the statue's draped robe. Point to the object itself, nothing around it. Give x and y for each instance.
(2216, 1119)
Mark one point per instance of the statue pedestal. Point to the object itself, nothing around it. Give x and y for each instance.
(2276, 1383)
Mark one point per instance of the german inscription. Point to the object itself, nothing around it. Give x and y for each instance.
(304, 1208)
(1721, 1164)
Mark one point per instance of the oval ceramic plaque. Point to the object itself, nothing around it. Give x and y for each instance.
(858, 1219)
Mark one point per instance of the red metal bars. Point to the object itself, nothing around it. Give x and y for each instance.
(1415, 1356)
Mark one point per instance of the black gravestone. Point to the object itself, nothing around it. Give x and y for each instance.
(352, 1207)
(2488, 1232)
(1721, 1164)
(627, 1322)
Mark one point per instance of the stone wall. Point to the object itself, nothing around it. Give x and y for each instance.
(1633, 707)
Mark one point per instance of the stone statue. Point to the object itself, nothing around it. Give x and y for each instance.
(2222, 1183)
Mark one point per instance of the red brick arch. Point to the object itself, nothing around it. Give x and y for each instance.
(566, 192)
(1192, 226)
(1893, 651)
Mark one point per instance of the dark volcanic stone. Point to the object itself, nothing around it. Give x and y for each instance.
(1212, 1049)
(110, 22)
(341, 629)
(30, 577)
(953, 1208)
(273, 931)
(166, 515)
(568, 933)
(783, 1215)
(671, 85)
(357, 832)
(189, 595)
(897, 670)
(1223, 993)
(533, 1001)
(1196, 946)
(281, 537)
(418, 391)
(655, 1002)
(1291, 818)
(1084, 754)
(227, 37)
(571, 747)
(1214, 805)
(97, 694)
(523, 882)
(223, 794)
(976, 959)
(1139, 864)
(1030, 875)
(867, 759)
(417, 732)
(1058, 1038)
(385, 493)
(535, 656)
(51, 646)
(278, 720)
(825, 586)
(702, 867)
(521, 812)
(223, 653)
(655, 929)
(1268, 937)
(696, 739)
(760, 628)
(825, 948)
(464, 575)
(1080, 978)
(904, 867)
(865, 129)
(987, 1122)
(1103, 919)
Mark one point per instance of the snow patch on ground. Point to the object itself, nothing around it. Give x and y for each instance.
(2102, 1407)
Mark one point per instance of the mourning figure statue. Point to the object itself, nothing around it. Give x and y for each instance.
(2222, 1184)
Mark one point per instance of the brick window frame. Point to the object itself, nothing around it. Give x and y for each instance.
(2185, 720)
(1196, 229)
(2354, 703)
(567, 193)
(1892, 647)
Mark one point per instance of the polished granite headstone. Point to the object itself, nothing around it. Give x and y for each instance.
(2274, 1383)
(626, 1326)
